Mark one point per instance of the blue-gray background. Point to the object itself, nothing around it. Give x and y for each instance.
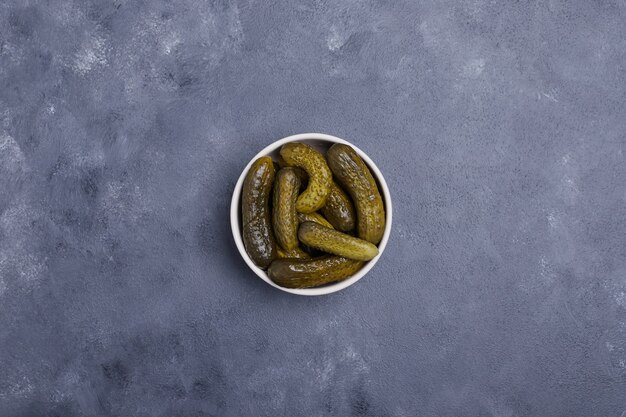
(500, 128)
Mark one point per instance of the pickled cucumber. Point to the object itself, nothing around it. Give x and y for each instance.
(258, 237)
(335, 242)
(284, 217)
(320, 176)
(356, 178)
(339, 209)
(306, 273)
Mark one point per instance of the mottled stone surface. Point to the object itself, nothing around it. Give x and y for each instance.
(500, 128)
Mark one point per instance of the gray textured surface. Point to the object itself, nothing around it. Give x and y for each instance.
(501, 130)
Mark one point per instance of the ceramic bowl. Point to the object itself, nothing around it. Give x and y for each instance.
(321, 142)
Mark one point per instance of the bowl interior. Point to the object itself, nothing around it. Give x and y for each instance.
(320, 142)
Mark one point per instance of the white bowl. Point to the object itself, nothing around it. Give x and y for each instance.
(321, 142)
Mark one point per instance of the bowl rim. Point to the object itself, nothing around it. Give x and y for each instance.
(236, 228)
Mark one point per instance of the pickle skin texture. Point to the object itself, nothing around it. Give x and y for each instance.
(307, 273)
(339, 209)
(356, 178)
(314, 217)
(320, 177)
(296, 253)
(258, 237)
(335, 242)
(284, 216)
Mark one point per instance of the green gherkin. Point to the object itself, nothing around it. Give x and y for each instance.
(336, 242)
(320, 178)
(307, 273)
(339, 209)
(284, 216)
(258, 237)
(356, 178)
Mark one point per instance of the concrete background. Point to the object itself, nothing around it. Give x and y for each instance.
(501, 130)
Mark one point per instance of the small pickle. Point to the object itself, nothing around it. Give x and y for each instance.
(336, 242)
(339, 209)
(258, 237)
(320, 178)
(284, 216)
(307, 273)
(356, 178)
